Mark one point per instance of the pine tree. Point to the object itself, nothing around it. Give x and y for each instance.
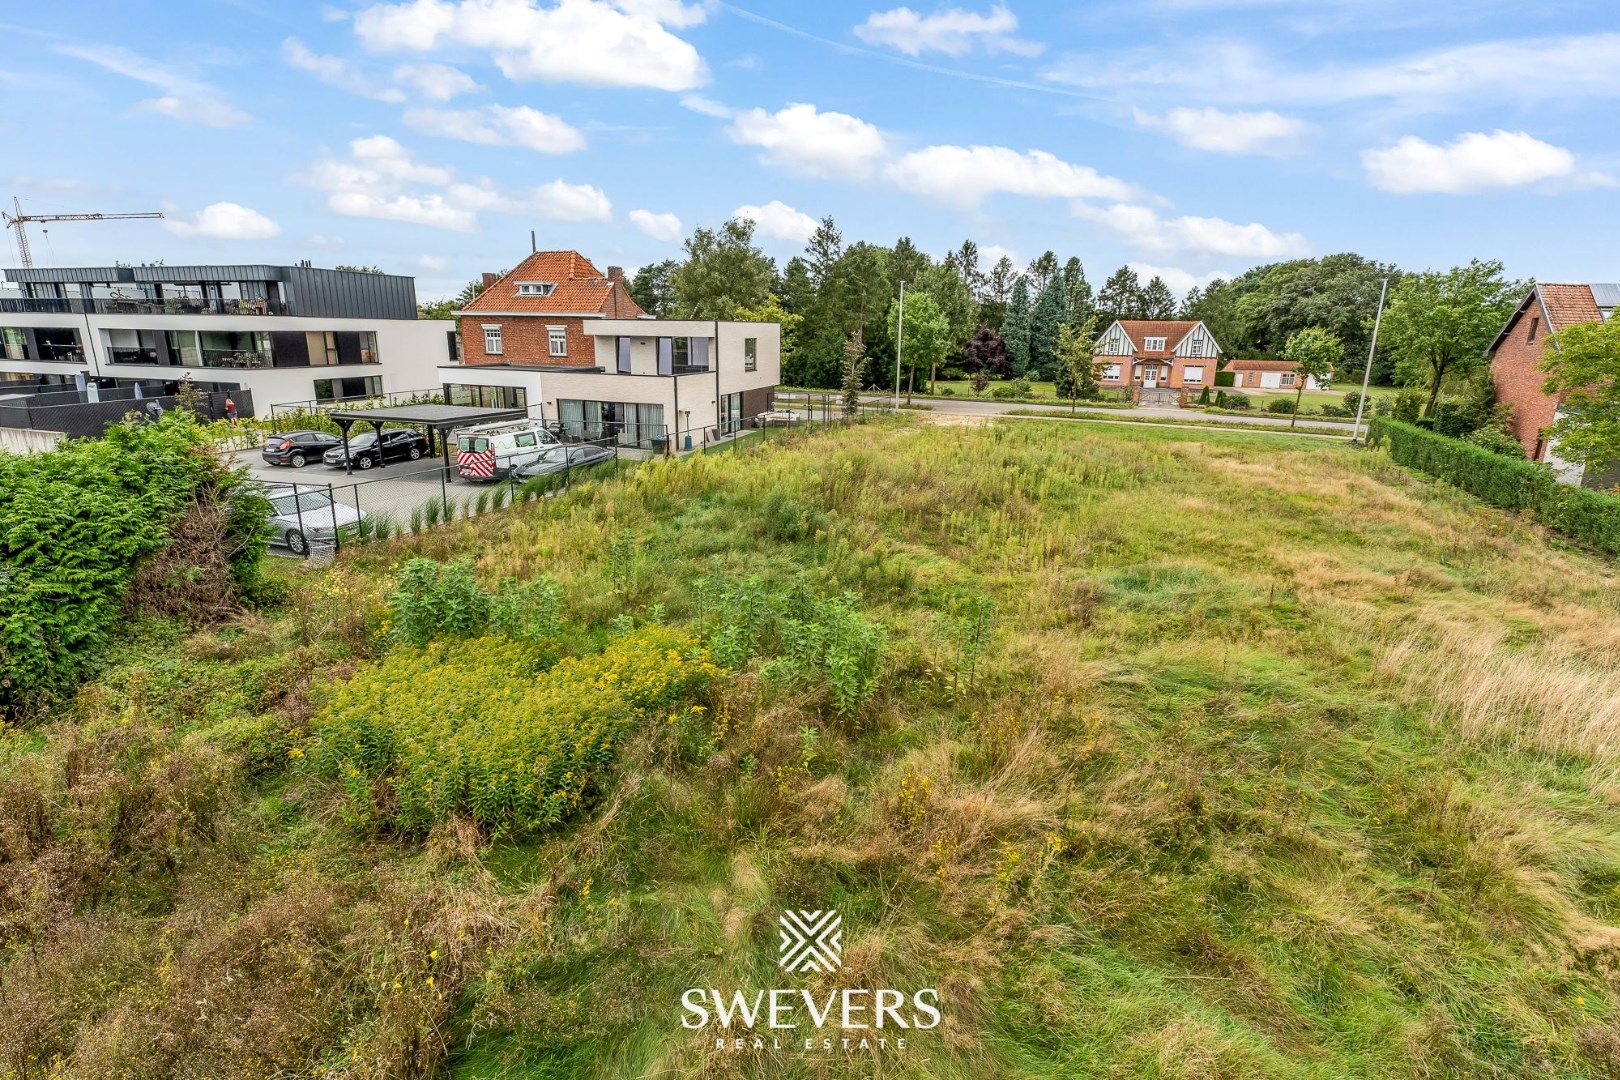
(1015, 327)
(1121, 295)
(854, 361)
(1042, 271)
(1076, 292)
(1158, 302)
(1045, 322)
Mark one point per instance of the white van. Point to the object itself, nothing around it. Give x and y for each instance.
(488, 451)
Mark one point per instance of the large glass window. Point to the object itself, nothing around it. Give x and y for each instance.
(731, 406)
(361, 386)
(323, 350)
(750, 354)
(368, 347)
(487, 397)
(13, 345)
(622, 353)
(627, 423)
(55, 344)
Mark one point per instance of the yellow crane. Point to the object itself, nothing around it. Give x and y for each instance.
(19, 220)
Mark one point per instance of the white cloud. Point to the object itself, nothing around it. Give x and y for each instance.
(225, 221)
(952, 31)
(1178, 279)
(558, 200)
(964, 175)
(435, 82)
(778, 220)
(388, 157)
(182, 98)
(500, 125)
(1469, 164)
(1195, 235)
(581, 41)
(1517, 70)
(1229, 132)
(665, 227)
(432, 209)
(801, 139)
(326, 242)
(336, 71)
(432, 262)
(708, 106)
(990, 254)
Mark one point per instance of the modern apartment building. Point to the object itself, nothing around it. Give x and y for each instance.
(287, 333)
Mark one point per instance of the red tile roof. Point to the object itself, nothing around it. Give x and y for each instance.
(1172, 330)
(580, 289)
(1565, 305)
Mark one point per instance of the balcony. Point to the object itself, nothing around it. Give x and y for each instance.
(211, 358)
(175, 306)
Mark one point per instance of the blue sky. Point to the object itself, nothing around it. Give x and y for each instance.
(1191, 137)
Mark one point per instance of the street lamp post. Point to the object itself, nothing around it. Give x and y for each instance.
(899, 344)
(1366, 376)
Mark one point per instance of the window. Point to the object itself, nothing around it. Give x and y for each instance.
(750, 354)
(368, 347)
(1535, 324)
(1193, 374)
(492, 340)
(680, 350)
(557, 340)
(1153, 344)
(731, 414)
(487, 397)
(1110, 371)
(1195, 348)
(536, 288)
(348, 389)
(1288, 378)
(322, 345)
(13, 345)
(524, 439)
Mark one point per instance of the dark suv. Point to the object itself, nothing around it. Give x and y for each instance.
(297, 448)
(397, 445)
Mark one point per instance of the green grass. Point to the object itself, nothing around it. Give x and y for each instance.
(1277, 761)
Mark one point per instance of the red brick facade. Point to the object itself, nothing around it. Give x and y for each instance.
(1518, 379)
(526, 339)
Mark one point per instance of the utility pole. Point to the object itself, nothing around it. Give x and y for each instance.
(899, 344)
(1366, 376)
(19, 220)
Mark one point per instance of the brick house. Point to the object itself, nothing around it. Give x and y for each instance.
(536, 312)
(1268, 375)
(1517, 352)
(1159, 361)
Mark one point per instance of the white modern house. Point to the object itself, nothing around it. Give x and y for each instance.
(652, 379)
(287, 334)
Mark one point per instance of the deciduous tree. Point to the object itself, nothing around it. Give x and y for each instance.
(1315, 352)
(1582, 363)
(1439, 323)
(724, 273)
(925, 338)
(651, 288)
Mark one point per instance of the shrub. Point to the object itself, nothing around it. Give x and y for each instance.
(1225, 378)
(475, 727)
(1405, 406)
(946, 391)
(1203, 396)
(1496, 441)
(1280, 405)
(1022, 387)
(836, 646)
(1004, 391)
(1220, 398)
(1352, 402)
(79, 522)
(1237, 401)
(433, 600)
(1589, 517)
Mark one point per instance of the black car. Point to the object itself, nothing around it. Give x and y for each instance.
(566, 458)
(297, 448)
(397, 445)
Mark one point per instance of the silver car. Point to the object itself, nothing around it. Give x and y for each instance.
(300, 517)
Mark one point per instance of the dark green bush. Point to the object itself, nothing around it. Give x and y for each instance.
(1496, 441)
(1237, 401)
(1225, 378)
(1280, 405)
(1588, 517)
(76, 526)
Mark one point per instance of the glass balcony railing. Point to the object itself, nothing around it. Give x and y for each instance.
(175, 306)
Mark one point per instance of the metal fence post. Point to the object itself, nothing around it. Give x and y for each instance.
(444, 492)
(298, 512)
(331, 504)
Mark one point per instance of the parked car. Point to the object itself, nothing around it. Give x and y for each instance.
(306, 515)
(398, 444)
(778, 418)
(297, 448)
(488, 451)
(565, 458)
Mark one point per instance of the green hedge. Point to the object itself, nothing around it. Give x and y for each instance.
(1586, 516)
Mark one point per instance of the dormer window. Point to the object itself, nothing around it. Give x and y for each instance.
(536, 288)
(1153, 344)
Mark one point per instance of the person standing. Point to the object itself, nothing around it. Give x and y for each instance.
(230, 409)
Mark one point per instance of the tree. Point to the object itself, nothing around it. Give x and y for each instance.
(1077, 361)
(997, 291)
(965, 261)
(772, 311)
(955, 301)
(359, 269)
(925, 336)
(1045, 322)
(1158, 302)
(1258, 311)
(986, 352)
(1121, 295)
(444, 308)
(469, 292)
(1438, 324)
(1583, 369)
(724, 273)
(1015, 328)
(854, 362)
(652, 290)
(1315, 352)
(1076, 292)
(1041, 271)
(908, 262)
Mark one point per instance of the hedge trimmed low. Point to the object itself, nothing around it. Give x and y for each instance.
(1586, 516)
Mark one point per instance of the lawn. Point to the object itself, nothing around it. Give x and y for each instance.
(1155, 752)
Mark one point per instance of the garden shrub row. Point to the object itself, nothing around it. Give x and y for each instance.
(477, 726)
(1588, 517)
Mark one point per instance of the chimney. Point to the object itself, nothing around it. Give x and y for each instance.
(490, 279)
(616, 273)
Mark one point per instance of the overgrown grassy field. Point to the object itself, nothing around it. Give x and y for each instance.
(1188, 754)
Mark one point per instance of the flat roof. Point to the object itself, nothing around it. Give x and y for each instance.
(440, 416)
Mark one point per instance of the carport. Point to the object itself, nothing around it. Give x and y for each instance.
(436, 422)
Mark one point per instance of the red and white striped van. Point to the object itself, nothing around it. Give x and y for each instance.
(489, 451)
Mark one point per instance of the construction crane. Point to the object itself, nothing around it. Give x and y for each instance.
(19, 221)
